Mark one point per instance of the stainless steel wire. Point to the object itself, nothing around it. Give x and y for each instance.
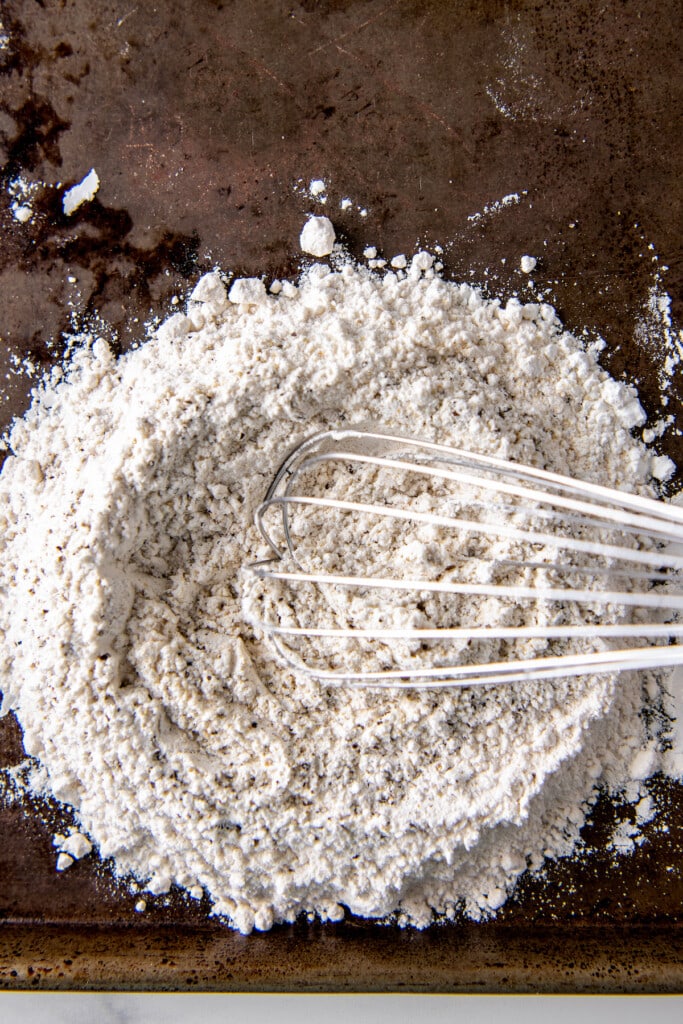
(567, 544)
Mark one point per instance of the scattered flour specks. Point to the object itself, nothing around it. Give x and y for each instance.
(22, 193)
(530, 88)
(673, 704)
(512, 199)
(656, 332)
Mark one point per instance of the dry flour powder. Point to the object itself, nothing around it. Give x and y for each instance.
(191, 755)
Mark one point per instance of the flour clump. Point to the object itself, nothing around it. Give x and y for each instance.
(318, 236)
(191, 755)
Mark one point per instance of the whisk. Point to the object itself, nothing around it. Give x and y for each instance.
(597, 567)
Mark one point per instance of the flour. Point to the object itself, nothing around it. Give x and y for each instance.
(75, 845)
(22, 193)
(318, 236)
(673, 705)
(81, 193)
(655, 332)
(317, 189)
(523, 93)
(191, 756)
(512, 199)
(244, 291)
(64, 861)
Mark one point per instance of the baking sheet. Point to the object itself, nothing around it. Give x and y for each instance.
(205, 123)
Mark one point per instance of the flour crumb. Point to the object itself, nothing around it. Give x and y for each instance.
(623, 838)
(370, 252)
(318, 236)
(21, 212)
(663, 468)
(64, 861)
(658, 429)
(317, 188)
(399, 262)
(247, 291)
(527, 264)
(159, 883)
(84, 192)
(645, 810)
(644, 763)
(345, 204)
(140, 906)
(421, 263)
(76, 845)
(210, 290)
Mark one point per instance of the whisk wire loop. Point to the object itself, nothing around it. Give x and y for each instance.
(562, 527)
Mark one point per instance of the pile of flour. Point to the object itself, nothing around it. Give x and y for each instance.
(189, 753)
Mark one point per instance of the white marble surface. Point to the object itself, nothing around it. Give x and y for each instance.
(104, 1008)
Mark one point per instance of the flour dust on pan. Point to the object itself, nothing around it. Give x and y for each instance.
(191, 755)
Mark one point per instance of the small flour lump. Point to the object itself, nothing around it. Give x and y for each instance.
(318, 236)
(191, 756)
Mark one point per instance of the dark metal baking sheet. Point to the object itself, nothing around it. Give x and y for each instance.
(200, 117)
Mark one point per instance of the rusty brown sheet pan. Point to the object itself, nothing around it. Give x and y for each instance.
(200, 118)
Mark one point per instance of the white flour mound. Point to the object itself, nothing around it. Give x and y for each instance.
(191, 756)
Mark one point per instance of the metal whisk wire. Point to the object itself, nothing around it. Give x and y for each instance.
(578, 508)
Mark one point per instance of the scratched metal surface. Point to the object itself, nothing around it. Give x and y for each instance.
(200, 119)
